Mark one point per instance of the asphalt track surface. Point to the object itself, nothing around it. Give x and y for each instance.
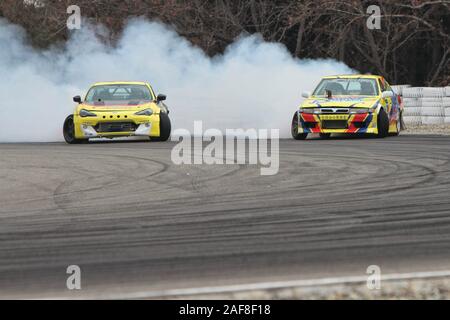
(134, 221)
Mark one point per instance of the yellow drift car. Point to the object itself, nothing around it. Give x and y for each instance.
(349, 104)
(118, 109)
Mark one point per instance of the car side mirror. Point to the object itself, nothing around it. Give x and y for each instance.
(306, 94)
(387, 94)
(77, 99)
(161, 97)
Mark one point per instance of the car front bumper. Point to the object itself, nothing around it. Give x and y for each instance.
(116, 124)
(342, 123)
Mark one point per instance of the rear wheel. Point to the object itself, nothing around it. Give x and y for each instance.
(165, 128)
(399, 126)
(69, 131)
(383, 124)
(294, 129)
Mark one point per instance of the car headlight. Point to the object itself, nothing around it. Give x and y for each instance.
(146, 112)
(84, 113)
(310, 110)
(360, 110)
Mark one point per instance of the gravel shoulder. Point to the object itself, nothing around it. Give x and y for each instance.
(440, 129)
(423, 289)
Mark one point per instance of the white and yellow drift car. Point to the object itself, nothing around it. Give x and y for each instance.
(118, 109)
(349, 104)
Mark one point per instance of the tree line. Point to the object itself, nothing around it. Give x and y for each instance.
(411, 46)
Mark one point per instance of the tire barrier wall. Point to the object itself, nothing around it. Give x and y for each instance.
(425, 105)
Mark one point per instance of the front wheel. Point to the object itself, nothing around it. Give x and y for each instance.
(69, 131)
(294, 129)
(383, 124)
(165, 128)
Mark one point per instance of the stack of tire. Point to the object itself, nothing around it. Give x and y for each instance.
(433, 111)
(425, 105)
(446, 105)
(412, 100)
(399, 88)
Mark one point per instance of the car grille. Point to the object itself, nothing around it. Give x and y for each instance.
(115, 127)
(334, 124)
(334, 110)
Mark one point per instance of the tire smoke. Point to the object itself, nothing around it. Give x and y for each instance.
(254, 84)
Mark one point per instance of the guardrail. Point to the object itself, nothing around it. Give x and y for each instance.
(425, 105)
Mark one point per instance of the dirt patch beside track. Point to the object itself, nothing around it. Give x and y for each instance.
(441, 129)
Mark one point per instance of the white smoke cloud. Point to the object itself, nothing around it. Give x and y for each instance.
(254, 84)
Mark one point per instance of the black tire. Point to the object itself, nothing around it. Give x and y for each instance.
(325, 135)
(294, 129)
(69, 132)
(383, 124)
(165, 128)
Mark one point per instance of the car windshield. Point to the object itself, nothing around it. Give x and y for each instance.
(347, 87)
(120, 93)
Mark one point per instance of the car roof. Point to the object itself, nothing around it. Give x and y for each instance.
(353, 76)
(118, 82)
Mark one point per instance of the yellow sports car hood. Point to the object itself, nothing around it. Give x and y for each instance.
(341, 101)
(112, 107)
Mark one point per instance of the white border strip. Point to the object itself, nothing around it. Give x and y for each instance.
(270, 285)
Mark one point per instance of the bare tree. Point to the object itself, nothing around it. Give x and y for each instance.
(412, 46)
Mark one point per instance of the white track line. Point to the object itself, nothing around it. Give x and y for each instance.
(271, 285)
